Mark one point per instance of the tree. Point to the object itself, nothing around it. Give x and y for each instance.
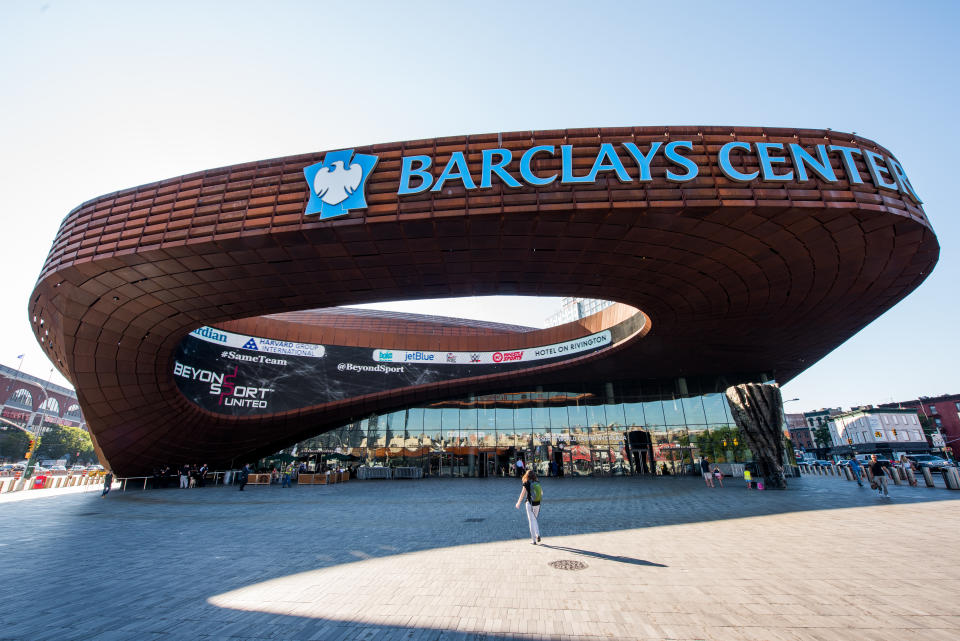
(13, 443)
(821, 436)
(61, 441)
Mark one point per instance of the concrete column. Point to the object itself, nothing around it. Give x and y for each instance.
(927, 476)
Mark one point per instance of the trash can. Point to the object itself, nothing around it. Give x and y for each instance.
(38, 481)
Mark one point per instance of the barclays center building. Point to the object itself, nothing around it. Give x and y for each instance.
(201, 318)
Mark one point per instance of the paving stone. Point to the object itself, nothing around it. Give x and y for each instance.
(666, 558)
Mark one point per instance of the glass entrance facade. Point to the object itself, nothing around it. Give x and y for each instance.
(559, 433)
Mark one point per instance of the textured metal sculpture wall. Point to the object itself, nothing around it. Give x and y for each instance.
(758, 412)
(731, 277)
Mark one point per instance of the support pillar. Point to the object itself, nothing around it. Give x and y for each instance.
(758, 412)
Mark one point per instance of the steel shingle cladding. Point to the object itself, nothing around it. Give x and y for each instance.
(735, 277)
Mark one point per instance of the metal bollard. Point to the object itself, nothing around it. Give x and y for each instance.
(895, 476)
(951, 478)
(911, 479)
(848, 474)
(927, 476)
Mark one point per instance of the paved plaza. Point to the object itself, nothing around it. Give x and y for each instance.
(451, 559)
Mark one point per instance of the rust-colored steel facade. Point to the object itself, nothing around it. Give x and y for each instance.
(733, 279)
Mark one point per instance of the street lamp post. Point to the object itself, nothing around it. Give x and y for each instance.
(783, 411)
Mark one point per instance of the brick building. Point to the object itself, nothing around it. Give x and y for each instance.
(943, 414)
(800, 433)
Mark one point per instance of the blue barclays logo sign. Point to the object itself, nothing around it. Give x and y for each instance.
(777, 162)
(337, 184)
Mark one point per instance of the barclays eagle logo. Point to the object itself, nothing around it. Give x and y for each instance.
(337, 184)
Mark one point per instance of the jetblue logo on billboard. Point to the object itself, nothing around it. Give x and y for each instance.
(337, 184)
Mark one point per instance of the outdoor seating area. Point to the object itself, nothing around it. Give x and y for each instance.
(323, 478)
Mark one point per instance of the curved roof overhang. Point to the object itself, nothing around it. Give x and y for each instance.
(731, 276)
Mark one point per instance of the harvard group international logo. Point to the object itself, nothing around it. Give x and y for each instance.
(337, 184)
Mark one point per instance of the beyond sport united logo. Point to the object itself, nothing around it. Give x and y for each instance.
(337, 184)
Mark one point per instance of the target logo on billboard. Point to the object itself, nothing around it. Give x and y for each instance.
(503, 357)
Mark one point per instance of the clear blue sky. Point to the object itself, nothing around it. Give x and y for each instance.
(99, 96)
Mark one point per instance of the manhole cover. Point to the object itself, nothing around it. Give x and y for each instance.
(568, 565)
(473, 520)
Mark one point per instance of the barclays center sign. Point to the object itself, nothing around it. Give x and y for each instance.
(338, 184)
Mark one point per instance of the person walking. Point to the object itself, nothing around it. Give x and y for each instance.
(856, 471)
(907, 467)
(107, 483)
(202, 475)
(718, 475)
(185, 477)
(879, 477)
(705, 470)
(530, 495)
(287, 474)
(520, 469)
(244, 475)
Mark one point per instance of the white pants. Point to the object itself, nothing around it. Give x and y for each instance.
(183, 481)
(533, 511)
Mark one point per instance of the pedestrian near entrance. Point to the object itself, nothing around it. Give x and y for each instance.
(705, 470)
(107, 482)
(530, 496)
(185, 477)
(879, 477)
(287, 473)
(907, 466)
(244, 475)
(520, 469)
(718, 475)
(856, 471)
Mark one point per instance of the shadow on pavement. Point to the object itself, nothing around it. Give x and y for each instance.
(606, 557)
(147, 562)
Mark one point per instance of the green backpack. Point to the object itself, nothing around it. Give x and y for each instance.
(536, 492)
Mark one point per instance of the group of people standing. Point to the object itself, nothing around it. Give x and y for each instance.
(187, 476)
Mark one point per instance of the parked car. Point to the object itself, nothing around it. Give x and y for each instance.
(94, 468)
(823, 462)
(865, 460)
(935, 463)
(57, 469)
(77, 469)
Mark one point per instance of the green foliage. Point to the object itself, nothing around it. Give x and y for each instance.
(13, 443)
(61, 441)
(723, 445)
(821, 436)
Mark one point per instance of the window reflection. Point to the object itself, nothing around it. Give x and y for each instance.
(553, 432)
